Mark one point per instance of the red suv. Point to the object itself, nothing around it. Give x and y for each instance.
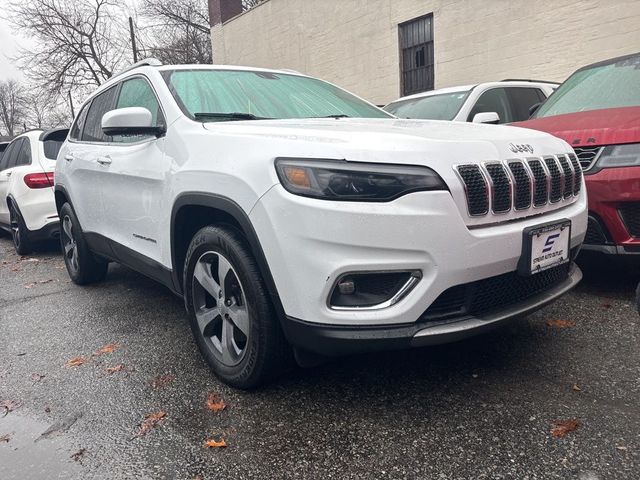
(597, 111)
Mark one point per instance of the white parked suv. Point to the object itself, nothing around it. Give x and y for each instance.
(290, 213)
(27, 206)
(506, 101)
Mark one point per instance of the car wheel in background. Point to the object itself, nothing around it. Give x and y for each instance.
(19, 231)
(230, 311)
(83, 266)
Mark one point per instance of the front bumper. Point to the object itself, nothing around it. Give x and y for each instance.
(334, 340)
(310, 243)
(612, 192)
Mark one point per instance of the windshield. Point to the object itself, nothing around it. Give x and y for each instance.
(246, 95)
(434, 107)
(603, 86)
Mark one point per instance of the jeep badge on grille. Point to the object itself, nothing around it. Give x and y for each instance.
(520, 147)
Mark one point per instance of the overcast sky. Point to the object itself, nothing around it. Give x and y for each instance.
(9, 43)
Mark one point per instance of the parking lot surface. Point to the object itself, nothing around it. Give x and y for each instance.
(554, 395)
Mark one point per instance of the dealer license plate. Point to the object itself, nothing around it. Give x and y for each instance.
(545, 247)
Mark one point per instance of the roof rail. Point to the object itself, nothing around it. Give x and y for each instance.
(526, 80)
(290, 70)
(151, 62)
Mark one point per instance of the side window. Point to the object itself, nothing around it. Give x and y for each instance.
(493, 100)
(136, 92)
(12, 156)
(522, 99)
(100, 105)
(4, 162)
(76, 130)
(24, 156)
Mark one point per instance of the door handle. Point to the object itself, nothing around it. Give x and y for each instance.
(68, 157)
(8, 174)
(106, 160)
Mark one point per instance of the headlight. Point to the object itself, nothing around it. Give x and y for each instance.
(620, 156)
(354, 181)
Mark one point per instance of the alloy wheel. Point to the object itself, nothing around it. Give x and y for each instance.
(69, 244)
(220, 308)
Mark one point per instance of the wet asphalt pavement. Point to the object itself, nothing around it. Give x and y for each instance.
(479, 409)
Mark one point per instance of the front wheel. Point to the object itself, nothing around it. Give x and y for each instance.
(19, 232)
(83, 266)
(231, 314)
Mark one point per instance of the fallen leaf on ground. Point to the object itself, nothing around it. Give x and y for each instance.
(215, 403)
(161, 381)
(560, 323)
(215, 443)
(622, 448)
(9, 406)
(75, 362)
(5, 438)
(576, 387)
(78, 455)
(29, 285)
(150, 421)
(46, 281)
(47, 409)
(28, 259)
(108, 348)
(15, 269)
(117, 368)
(36, 377)
(562, 427)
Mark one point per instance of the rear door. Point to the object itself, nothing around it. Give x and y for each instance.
(87, 145)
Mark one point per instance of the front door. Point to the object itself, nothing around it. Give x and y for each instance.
(133, 176)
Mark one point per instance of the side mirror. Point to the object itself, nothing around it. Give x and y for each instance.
(534, 108)
(130, 121)
(486, 117)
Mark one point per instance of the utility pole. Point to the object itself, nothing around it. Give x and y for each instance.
(73, 114)
(133, 41)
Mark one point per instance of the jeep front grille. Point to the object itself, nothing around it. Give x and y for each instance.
(587, 156)
(500, 187)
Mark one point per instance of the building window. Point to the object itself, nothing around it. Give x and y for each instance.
(416, 55)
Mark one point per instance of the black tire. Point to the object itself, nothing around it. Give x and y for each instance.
(19, 232)
(265, 352)
(85, 268)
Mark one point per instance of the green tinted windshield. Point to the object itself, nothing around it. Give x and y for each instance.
(610, 85)
(444, 106)
(261, 95)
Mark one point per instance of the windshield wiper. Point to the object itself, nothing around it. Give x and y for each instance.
(230, 116)
(337, 115)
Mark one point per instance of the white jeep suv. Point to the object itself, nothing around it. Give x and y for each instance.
(492, 102)
(290, 213)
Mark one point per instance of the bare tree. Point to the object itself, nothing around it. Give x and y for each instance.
(79, 43)
(176, 32)
(11, 105)
(44, 110)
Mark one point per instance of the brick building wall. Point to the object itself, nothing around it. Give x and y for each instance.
(354, 43)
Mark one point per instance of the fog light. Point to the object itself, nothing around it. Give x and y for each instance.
(347, 286)
(372, 290)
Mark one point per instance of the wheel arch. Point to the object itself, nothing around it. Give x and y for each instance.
(194, 210)
(61, 197)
